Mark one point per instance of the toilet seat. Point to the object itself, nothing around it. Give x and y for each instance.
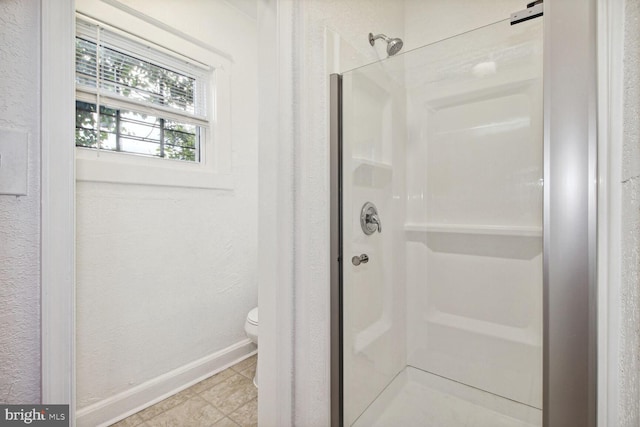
(251, 329)
(252, 317)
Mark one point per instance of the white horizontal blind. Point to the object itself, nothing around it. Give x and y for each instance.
(123, 68)
(135, 98)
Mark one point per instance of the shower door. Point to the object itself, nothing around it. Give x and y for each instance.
(441, 287)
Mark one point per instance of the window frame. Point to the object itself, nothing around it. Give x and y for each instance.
(213, 171)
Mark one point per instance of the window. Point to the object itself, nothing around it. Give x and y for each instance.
(135, 98)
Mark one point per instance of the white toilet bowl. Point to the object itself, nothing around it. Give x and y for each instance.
(251, 329)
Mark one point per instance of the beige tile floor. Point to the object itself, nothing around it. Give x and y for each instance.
(227, 399)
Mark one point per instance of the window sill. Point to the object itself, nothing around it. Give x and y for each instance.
(122, 168)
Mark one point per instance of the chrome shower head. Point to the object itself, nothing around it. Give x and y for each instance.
(393, 45)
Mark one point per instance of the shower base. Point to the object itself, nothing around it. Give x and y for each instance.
(418, 398)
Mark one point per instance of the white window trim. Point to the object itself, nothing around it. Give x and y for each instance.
(214, 169)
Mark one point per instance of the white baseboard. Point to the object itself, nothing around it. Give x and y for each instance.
(115, 408)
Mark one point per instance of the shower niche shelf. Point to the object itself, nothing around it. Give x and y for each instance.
(359, 162)
(371, 173)
(486, 230)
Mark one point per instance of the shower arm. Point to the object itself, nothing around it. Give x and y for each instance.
(372, 38)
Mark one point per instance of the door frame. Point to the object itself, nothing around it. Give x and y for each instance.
(57, 221)
(275, 288)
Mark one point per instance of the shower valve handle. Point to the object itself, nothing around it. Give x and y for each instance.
(369, 219)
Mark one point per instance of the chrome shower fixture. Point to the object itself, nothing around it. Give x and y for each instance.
(393, 45)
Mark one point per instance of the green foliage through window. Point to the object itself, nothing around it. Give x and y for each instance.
(133, 92)
(134, 132)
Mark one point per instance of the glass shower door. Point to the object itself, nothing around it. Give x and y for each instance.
(442, 233)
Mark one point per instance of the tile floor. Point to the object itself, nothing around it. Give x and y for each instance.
(227, 399)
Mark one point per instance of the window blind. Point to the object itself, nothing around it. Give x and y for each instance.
(114, 70)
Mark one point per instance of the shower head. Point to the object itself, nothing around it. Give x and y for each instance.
(393, 45)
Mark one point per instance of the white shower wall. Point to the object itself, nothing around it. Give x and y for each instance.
(474, 210)
(166, 275)
(374, 129)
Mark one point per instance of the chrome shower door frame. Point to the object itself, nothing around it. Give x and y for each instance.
(335, 135)
(570, 215)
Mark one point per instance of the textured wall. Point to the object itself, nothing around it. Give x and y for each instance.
(630, 286)
(20, 217)
(166, 275)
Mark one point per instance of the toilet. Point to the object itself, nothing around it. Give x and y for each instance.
(251, 329)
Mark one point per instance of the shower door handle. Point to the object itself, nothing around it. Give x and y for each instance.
(362, 259)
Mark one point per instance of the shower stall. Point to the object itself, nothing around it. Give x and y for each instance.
(439, 213)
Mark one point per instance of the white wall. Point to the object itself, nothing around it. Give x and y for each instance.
(629, 338)
(20, 216)
(166, 275)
